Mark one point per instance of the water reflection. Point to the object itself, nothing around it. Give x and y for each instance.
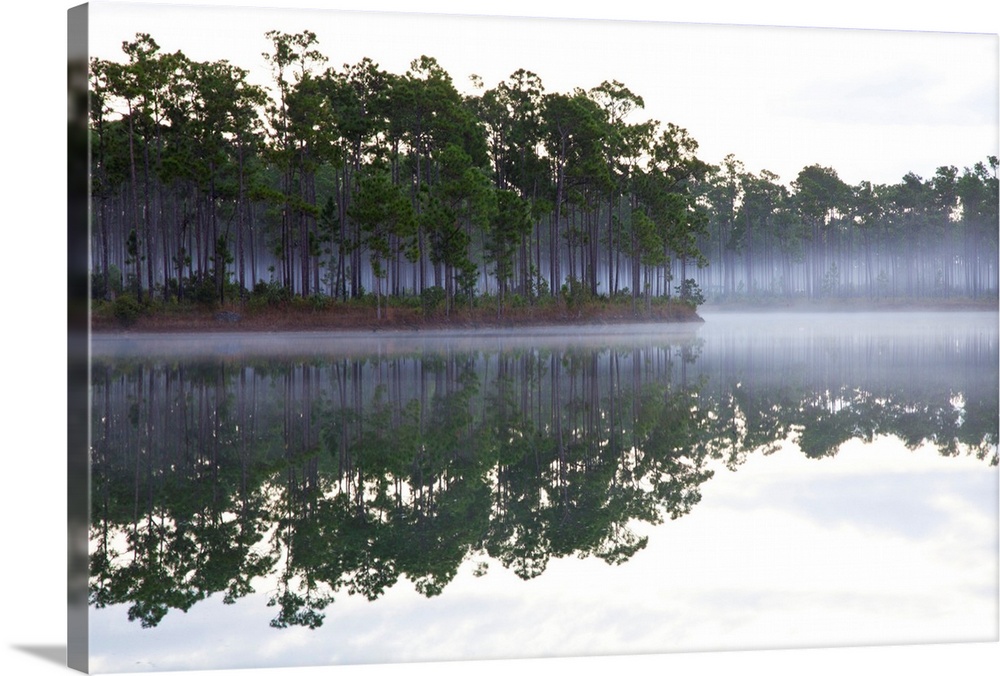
(340, 471)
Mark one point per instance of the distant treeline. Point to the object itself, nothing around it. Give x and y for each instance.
(346, 182)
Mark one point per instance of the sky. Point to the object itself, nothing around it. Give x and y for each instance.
(34, 479)
(871, 104)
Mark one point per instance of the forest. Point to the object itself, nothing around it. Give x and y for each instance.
(338, 184)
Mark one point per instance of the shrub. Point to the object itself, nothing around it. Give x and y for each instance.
(536, 286)
(410, 301)
(200, 289)
(269, 293)
(690, 294)
(98, 290)
(126, 309)
(575, 293)
(320, 302)
(256, 303)
(431, 299)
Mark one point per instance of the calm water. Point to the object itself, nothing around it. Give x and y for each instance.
(753, 482)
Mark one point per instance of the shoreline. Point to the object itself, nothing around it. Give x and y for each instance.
(396, 320)
(359, 321)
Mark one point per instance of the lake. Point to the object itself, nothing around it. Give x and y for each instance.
(757, 481)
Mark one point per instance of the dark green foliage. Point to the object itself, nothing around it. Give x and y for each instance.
(431, 300)
(689, 293)
(202, 290)
(126, 309)
(104, 287)
(575, 294)
(269, 294)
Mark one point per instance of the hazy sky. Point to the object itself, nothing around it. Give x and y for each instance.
(872, 104)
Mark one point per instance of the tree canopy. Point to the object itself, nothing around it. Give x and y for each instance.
(337, 182)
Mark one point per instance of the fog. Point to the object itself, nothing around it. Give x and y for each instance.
(717, 324)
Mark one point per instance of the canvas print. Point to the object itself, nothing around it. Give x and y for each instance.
(423, 337)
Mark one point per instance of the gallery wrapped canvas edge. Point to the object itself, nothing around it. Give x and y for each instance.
(77, 477)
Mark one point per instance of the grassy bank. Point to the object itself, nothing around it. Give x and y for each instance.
(318, 315)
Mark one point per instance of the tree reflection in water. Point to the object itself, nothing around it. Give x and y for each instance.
(318, 476)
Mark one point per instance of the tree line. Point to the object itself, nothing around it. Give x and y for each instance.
(822, 237)
(338, 183)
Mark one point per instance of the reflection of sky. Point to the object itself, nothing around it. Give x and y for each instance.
(897, 500)
(877, 545)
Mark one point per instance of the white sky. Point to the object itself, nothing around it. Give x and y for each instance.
(872, 104)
